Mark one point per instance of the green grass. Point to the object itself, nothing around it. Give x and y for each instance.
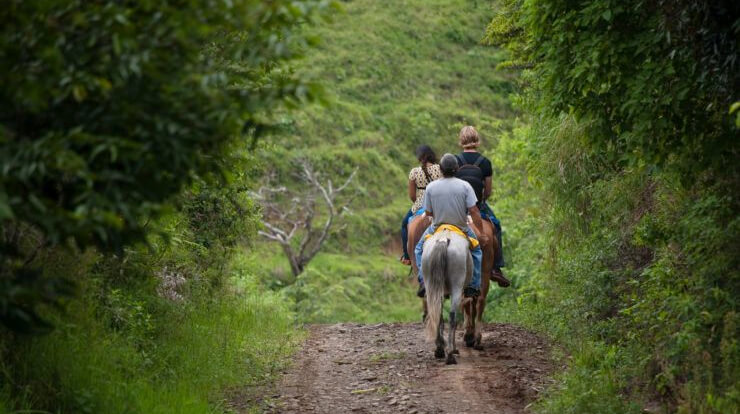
(182, 361)
(348, 288)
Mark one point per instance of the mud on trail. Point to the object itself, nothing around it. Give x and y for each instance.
(389, 368)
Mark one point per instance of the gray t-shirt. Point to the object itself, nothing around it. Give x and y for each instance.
(448, 199)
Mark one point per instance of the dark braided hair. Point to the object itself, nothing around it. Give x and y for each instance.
(425, 154)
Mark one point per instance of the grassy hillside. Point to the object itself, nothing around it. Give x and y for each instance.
(397, 75)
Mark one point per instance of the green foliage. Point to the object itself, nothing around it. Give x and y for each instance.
(182, 360)
(109, 109)
(366, 289)
(656, 80)
(630, 159)
(623, 261)
(170, 324)
(166, 327)
(590, 385)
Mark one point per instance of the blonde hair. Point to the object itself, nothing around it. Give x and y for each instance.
(469, 137)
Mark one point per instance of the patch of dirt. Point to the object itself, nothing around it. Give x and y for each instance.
(389, 368)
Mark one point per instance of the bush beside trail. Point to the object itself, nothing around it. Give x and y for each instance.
(124, 141)
(630, 157)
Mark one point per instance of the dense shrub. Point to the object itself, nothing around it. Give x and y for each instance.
(634, 147)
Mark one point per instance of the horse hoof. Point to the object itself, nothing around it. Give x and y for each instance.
(450, 360)
(456, 352)
(439, 353)
(469, 340)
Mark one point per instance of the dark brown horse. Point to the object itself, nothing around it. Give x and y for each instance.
(473, 314)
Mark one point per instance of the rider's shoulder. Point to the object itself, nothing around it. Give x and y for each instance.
(448, 181)
(464, 184)
(433, 184)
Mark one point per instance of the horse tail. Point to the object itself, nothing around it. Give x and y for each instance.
(435, 280)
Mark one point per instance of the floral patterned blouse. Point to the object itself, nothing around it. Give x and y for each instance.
(417, 176)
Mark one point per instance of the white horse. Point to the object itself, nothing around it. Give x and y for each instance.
(448, 268)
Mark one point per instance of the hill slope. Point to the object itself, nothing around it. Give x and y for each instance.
(398, 74)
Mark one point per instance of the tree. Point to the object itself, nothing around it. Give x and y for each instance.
(108, 108)
(289, 216)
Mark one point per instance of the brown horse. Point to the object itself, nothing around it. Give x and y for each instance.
(473, 314)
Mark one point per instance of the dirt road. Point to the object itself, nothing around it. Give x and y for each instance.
(389, 368)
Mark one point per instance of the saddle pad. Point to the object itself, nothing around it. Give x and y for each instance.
(473, 242)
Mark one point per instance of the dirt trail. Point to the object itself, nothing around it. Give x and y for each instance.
(389, 368)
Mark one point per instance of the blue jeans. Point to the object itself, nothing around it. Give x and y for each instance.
(477, 257)
(486, 213)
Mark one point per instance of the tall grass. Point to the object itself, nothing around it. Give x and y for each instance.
(164, 357)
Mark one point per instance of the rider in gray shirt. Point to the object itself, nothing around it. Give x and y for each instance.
(449, 200)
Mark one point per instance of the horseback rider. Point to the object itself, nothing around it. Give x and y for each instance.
(449, 200)
(478, 172)
(419, 178)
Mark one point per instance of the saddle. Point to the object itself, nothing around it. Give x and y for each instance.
(473, 241)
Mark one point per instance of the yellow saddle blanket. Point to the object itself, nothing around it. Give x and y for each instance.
(473, 242)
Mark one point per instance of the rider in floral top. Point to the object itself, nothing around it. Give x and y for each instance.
(419, 178)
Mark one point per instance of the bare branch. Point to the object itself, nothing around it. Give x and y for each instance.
(283, 223)
(264, 193)
(270, 236)
(346, 183)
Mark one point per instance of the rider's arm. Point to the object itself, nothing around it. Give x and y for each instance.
(478, 222)
(488, 188)
(475, 215)
(412, 190)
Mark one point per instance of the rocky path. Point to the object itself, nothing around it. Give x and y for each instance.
(389, 368)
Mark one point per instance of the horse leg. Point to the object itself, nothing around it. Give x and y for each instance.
(423, 310)
(469, 314)
(440, 351)
(473, 322)
(454, 309)
(480, 306)
(489, 251)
